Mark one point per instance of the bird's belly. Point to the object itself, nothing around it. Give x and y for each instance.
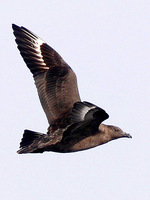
(87, 143)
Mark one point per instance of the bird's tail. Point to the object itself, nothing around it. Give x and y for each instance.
(28, 140)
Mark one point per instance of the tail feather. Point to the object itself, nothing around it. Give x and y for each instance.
(28, 138)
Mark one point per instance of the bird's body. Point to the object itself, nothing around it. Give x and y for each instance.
(74, 125)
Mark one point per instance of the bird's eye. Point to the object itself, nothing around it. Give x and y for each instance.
(115, 130)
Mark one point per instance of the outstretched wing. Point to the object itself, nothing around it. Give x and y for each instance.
(86, 118)
(85, 112)
(55, 80)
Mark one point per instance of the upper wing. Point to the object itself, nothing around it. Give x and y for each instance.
(85, 111)
(55, 80)
(86, 118)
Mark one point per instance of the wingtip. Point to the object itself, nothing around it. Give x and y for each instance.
(84, 110)
(14, 26)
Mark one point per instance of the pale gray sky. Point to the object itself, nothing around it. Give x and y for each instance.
(107, 43)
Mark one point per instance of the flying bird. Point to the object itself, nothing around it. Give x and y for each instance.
(73, 125)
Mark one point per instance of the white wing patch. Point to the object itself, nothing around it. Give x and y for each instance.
(80, 110)
(37, 42)
(84, 111)
(34, 43)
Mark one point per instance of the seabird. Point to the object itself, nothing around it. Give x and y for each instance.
(73, 125)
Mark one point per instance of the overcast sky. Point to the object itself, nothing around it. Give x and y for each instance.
(107, 43)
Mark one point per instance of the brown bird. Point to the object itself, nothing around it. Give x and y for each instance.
(74, 125)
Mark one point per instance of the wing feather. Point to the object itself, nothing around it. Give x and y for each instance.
(55, 80)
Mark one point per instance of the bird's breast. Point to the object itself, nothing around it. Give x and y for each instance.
(89, 142)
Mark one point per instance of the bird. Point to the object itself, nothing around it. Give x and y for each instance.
(74, 125)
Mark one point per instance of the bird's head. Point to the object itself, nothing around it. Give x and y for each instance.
(113, 132)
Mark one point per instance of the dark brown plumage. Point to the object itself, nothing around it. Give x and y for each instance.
(74, 125)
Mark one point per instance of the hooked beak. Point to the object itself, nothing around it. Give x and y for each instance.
(127, 135)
